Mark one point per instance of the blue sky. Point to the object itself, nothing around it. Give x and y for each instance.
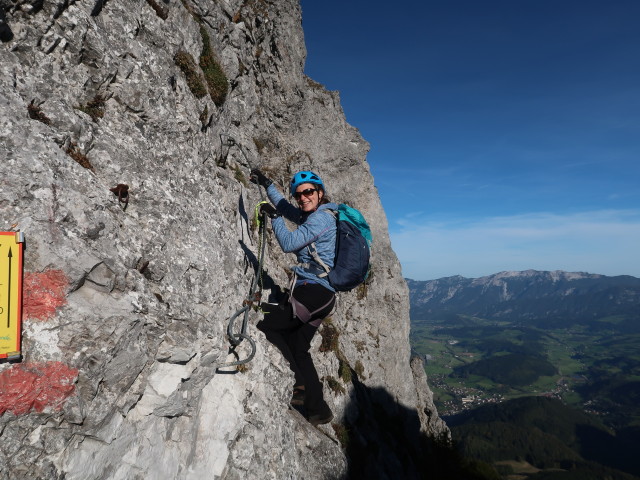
(505, 135)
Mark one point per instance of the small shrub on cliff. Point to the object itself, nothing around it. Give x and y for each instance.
(185, 62)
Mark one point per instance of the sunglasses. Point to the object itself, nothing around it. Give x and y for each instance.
(306, 192)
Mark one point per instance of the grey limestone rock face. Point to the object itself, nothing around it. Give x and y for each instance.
(91, 97)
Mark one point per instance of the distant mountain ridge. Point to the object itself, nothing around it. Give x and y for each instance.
(529, 295)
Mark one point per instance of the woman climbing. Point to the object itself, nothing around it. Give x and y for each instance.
(291, 326)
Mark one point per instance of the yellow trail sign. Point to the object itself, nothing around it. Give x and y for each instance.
(11, 246)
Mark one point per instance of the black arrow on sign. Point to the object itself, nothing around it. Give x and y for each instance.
(9, 292)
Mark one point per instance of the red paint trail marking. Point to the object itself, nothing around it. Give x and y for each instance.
(43, 294)
(36, 386)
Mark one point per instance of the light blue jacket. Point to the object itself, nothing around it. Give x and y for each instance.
(318, 227)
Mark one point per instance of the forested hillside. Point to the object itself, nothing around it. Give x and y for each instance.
(538, 433)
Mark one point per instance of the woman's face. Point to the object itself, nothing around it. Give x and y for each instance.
(308, 197)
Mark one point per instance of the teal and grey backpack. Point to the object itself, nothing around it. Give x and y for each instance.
(353, 250)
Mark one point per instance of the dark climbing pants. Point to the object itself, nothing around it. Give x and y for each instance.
(293, 339)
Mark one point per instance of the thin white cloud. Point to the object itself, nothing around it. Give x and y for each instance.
(603, 241)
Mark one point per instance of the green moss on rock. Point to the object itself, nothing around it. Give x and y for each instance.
(213, 73)
(186, 63)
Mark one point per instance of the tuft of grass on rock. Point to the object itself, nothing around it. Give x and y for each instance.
(204, 116)
(240, 176)
(330, 335)
(78, 156)
(213, 73)
(186, 63)
(260, 144)
(36, 113)
(335, 385)
(259, 9)
(214, 76)
(161, 12)
(189, 9)
(242, 368)
(344, 370)
(313, 84)
(342, 434)
(361, 291)
(94, 108)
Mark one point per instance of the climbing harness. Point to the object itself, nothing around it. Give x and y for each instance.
(255, 292)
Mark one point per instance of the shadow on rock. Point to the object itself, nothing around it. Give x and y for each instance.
(382, 440)
(6, 34)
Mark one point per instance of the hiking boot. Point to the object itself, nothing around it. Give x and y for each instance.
(298, 396)
(321, 418)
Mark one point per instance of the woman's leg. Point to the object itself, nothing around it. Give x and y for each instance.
(293, 339)
(300, 342)
(277, 326)
(312, 296)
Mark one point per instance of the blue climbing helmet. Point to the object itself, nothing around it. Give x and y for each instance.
(305, 176)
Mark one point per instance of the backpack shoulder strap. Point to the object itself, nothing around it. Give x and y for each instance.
(316, 258)
(314, 252)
